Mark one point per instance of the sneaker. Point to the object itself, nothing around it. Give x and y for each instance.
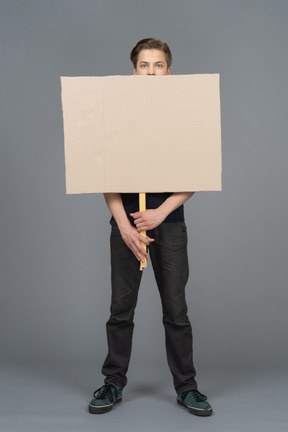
(195, 402)
(104, 398)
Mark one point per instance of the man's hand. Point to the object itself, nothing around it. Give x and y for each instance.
(148, 219)
(133, 240)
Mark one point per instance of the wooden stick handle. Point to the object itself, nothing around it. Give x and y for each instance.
(142, 207)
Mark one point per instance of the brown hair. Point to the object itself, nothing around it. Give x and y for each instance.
(150, 43)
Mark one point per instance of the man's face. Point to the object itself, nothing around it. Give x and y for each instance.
(151, 62)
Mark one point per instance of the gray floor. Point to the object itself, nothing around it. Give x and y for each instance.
(56, 398)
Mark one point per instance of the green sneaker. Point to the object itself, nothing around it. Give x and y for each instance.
(195, 402)
(104, 398)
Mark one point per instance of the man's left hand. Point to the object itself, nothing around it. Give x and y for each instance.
(148, 219)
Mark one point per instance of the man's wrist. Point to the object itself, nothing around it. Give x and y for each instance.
(123, 224)
(163, 211)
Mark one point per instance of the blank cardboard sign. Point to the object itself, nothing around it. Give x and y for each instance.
(142, 133)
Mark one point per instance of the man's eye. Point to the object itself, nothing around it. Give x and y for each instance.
(143, 66)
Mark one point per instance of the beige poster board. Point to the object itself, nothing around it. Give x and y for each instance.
(142, 133)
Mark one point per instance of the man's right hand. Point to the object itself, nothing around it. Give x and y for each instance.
(133, 240)
(129, 234)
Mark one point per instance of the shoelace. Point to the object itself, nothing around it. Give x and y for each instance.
(199, 397)
(103, 392)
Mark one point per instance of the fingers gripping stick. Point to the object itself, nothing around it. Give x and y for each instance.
(142, 207)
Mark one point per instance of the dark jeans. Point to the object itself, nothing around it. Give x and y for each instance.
(170, 264)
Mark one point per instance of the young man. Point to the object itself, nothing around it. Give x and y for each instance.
(167, 240)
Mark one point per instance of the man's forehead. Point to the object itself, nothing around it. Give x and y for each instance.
(151, 56)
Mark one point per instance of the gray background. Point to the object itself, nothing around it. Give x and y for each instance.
(55, 271)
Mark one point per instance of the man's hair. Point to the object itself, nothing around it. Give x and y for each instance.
(151, 43)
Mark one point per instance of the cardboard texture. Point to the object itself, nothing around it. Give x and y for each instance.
(142, 133)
